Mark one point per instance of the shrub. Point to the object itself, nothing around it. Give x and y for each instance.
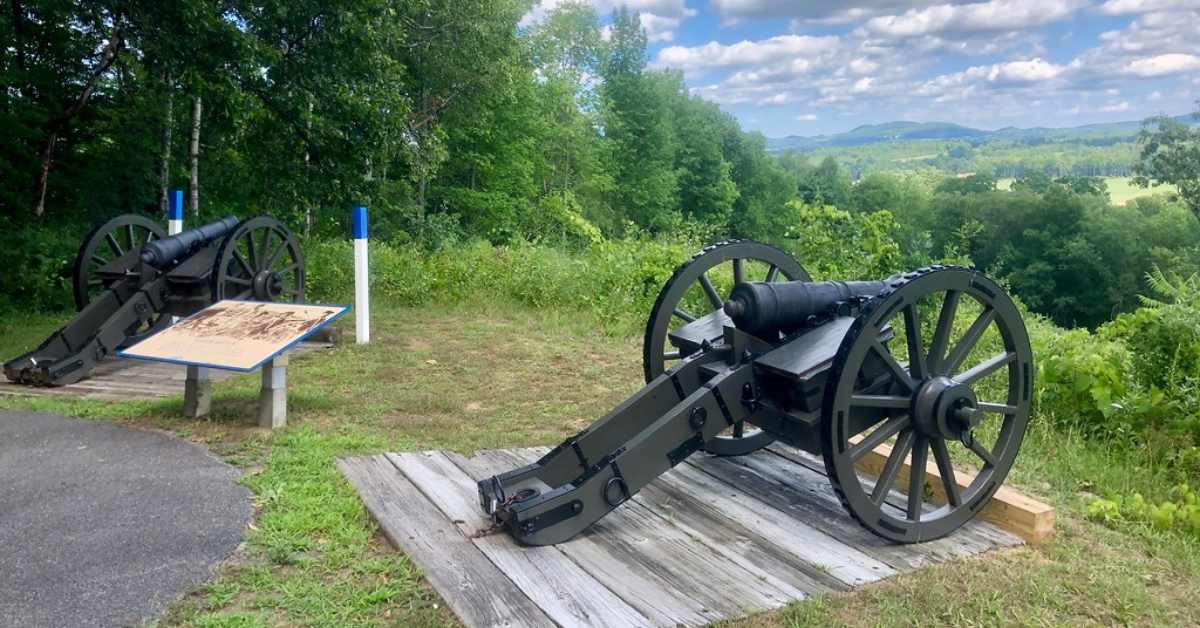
(1180, 511)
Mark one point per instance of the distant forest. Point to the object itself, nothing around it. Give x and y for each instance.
(455, 126)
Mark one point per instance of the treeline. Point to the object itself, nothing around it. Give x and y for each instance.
(443, 116)
(453, 123)
(1105, 157)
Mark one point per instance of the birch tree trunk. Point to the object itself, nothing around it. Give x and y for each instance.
(194, 157)
(164, 166)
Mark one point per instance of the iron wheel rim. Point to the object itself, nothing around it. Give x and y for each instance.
(879, 510)
(781, 267)
(260, 261)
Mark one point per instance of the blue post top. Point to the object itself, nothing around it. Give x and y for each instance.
(359, 223)
(176, 210)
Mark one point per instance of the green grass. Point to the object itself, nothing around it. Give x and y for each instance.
(1121, 190)
(482, 376)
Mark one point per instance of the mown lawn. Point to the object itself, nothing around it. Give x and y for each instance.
(479, 376)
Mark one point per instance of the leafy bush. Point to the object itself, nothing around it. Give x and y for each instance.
(1180, 511)
(39, 261)
(1080, 376)
(618, 280)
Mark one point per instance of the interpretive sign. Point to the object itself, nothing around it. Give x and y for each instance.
(235, 335)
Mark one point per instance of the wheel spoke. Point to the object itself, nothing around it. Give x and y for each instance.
(772, 273)
(941, 335)
(129, 235)
(739, 429)
(969, 340)
(884, 432)
(891, 468)
(946, 470)
(672, 355)
(916, 478)
(983, 453)
(112, 244)
(288, 269)
(238, 257)
(739, 271)
(713, 296)
(97, 260)
(275, 254)
(897, 371)
(251, 251)
(916, 352)
(685, 315)
(971, 375)
(239, 281)
(998, 408)
(242, 294)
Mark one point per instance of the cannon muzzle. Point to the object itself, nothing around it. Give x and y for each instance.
(762, 308)
(167, 251)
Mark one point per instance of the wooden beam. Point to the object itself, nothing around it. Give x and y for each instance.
(1010, 510)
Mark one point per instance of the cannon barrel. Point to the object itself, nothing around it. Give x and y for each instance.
(762, 308)
(167, 251)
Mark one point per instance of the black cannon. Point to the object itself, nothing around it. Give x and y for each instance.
(742, 349)
(130, 278)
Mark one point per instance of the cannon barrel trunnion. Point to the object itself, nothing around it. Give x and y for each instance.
(130, 278)
(934, 363)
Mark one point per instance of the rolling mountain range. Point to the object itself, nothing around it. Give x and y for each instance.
(905, 131)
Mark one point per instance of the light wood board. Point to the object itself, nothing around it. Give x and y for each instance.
(235, 335)
(712, 539)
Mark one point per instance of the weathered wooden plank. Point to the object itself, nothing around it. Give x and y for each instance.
(682, 556)
(807, 496)
(470, 583)
(973, 538)
(781, 534)
(568, 594)
(645, 590)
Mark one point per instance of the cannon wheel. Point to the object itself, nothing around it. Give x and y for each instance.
(667, 314)
(104, 244)
(943, 398)
(260, 261)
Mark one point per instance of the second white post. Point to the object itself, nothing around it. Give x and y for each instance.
(362, 290)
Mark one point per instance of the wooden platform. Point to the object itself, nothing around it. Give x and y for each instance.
(126, 379)
(714, 538)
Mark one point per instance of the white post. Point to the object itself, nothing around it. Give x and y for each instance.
(272, 399)
(362, 306)
(175, 213)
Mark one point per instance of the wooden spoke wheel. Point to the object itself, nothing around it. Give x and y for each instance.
(260, 261)
(698, 290)
(954, 384)
(106, 243)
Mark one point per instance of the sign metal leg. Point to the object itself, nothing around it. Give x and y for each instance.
(197, 392)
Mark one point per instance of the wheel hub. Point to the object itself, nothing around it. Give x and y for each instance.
(268, 285)
(944, 408)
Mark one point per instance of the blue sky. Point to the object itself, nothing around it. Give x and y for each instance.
(815, 67)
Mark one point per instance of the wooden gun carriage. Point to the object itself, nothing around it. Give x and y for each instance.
(130, 278)
(931, 363)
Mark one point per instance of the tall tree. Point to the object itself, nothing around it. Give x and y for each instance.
(638, 129)
(1170, 153)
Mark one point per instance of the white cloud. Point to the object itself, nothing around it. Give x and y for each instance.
(1120, 107)
(1162, 65)
(794, 49)
(1125, 7)
(660, 18)
(807, 117)
(1154, 96)
(991, 16)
